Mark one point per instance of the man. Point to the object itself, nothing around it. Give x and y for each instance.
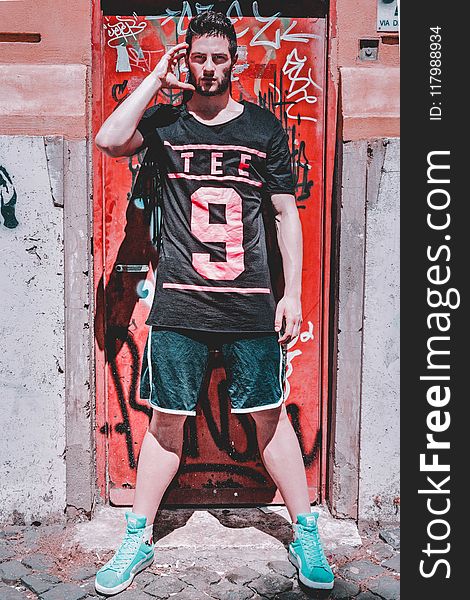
(217, 160)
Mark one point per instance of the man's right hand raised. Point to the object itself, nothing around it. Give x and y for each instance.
(119, 136)
(165, 69)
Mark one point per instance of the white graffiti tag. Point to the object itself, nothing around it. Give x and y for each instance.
(143, 60)
(235, 6)
(121, 33)
(298, 88)
(123, 29)
(185, 12)
(279, 37)
(235, 9)
(304, 337)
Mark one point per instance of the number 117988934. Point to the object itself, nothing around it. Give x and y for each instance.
(435, 73)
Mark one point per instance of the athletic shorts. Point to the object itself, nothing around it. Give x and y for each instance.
(175, 362)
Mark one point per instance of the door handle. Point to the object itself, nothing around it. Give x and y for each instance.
(132, 268)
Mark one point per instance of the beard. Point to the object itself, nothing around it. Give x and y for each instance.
(221, 88)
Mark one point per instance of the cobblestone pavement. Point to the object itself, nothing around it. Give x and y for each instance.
(46, 562)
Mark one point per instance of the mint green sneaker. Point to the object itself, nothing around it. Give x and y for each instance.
(306, 553)
(132, 556)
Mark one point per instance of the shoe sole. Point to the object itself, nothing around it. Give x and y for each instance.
(125, 584)
(314, 585)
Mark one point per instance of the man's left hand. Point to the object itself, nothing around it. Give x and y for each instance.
(289, 314)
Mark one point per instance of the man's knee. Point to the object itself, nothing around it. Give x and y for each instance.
(166, 425)
(270, 417)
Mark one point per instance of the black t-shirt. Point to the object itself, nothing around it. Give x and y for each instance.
(213, 272)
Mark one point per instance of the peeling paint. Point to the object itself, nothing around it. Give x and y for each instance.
(54, 149)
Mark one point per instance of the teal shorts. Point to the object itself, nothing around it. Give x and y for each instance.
(175, 362)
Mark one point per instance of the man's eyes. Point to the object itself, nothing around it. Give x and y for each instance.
(217, 58)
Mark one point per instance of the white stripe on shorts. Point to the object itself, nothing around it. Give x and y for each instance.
(189, 413)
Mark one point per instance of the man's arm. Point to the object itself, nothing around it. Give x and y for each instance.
(289, 236)
(119, 136)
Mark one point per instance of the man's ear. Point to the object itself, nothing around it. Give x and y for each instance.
(234, 60)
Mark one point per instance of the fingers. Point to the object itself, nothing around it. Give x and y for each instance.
(172, 82)
(291, 331)
(177, 57)
(296, 330)
(279, 316)
(169, 64)
(178, 48)
(290, 313)
(170, 58)
(186, 86)
(287, 335)
(176, 53)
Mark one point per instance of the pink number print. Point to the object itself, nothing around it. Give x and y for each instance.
(230, 232)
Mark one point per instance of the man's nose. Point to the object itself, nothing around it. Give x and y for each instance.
(209, 65)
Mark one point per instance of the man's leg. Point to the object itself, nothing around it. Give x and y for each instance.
(173, 366)
(255, 367)
(159, 459)
(282, 457)
(172, 372)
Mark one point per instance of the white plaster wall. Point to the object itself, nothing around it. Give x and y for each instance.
(379, 429)
(32, 415)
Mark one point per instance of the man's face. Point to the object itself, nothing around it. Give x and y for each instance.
(210, 65)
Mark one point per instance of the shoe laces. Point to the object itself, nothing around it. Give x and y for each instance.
(311, 546)
(126, 551)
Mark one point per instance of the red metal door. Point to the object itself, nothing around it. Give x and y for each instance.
(282, 67)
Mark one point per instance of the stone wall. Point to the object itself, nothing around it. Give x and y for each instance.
(364, 465)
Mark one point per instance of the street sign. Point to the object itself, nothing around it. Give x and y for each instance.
(387, 15)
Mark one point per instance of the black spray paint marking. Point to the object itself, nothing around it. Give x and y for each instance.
(115, 334)
(309, 455)
(300, 162)
(220, 433)
(7, 199)
(119, 93)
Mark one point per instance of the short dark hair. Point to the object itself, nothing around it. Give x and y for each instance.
(212, 23)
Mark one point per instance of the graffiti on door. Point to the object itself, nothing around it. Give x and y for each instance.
(281, 68)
